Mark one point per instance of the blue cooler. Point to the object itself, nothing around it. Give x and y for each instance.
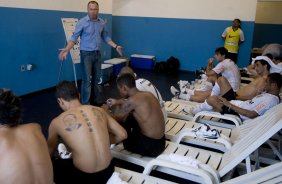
(142, 61)
(117, 63)
(106, 72)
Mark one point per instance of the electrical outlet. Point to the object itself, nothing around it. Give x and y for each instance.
(22, 68)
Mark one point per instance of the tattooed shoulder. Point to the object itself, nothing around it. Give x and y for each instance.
(98, 114)
(71, 122)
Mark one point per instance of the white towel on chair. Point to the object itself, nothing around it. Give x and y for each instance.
(184, 160)
(115, 179)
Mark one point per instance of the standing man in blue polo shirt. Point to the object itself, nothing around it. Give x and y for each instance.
(92, 30)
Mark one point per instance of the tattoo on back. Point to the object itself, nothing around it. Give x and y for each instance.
(98, 114)
(125, 106)
(86, 119)
(70, 122)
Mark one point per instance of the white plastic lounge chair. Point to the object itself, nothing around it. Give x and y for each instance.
(132, 177)
(177, 130)
(213, 165)
(119, 152)
(181, 111)
(271, 174)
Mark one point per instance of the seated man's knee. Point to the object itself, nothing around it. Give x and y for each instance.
(223, 82)
(212, 100)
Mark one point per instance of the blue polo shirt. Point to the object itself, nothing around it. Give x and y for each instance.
(91, 33)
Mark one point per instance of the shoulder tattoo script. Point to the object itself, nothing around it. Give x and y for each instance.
(70, 122)
(98, 114)
(86, 119)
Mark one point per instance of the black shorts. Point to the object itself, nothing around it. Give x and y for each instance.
(229, 95)
(138, 143)
(226, 110)
(66, 172)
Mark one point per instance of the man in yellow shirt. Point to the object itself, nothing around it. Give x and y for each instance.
(232, 37)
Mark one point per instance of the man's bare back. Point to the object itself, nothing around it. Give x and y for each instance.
(85, 130)
(24, 155)
(148, 114)
(251, 90)
(88, 132)
(143, 118)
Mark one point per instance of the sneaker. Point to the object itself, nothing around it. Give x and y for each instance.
(63, 152)
(204, 131)
(211, 134)
(183, 85)
(202, 128)
(174, 91)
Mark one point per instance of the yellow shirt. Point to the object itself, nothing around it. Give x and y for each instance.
(232, 40)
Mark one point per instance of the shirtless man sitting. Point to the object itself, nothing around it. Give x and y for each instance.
(275, 65)
(251, 108)
(88, 132)
(145, 85)
(262, 68)
(144, 121)
(24, 156)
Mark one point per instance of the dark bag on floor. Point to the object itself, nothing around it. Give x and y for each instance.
(160, 67)
(173, 65)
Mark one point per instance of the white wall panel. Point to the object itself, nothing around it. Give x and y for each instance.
(62, 5)
(192, 9)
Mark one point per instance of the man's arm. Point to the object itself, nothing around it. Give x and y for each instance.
(77, 32)
(115, 46)
(64, 51)
(248, 113)
(209, 71)
(117, 133)
(123, 106)
(251, 69)
(52, 138)
(109, 41)
(223, 36)
(242, 37)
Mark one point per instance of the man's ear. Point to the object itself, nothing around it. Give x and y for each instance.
(60, 101)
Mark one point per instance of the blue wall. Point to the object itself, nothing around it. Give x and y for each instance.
(34, 36)
(267, 33)
(191, 41)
